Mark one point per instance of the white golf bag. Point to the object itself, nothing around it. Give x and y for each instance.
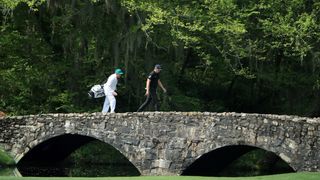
(96, 91)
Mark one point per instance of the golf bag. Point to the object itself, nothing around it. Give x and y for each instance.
(96, 91)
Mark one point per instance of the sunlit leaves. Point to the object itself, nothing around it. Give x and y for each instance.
(13, 3)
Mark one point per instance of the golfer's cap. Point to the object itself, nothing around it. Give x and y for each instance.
(157, 66)
(118, 71)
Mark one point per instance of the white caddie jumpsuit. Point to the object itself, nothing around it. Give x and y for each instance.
(109, 87)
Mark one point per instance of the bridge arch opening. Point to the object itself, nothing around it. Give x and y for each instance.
(75, 155)
(238, 160)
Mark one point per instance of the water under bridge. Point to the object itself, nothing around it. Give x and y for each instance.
(166, 143)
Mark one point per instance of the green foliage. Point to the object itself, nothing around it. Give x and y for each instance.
(97, 152)
(104, 160)
(5, 159)
(185, 103)
(6, 172)
(227, 55)
(256, 163)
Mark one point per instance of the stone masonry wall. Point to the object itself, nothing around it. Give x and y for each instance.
(166, 143)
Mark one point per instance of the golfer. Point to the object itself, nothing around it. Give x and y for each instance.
(152, 83)
(110, 88)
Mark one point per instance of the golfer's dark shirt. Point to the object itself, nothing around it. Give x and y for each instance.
(154, 77)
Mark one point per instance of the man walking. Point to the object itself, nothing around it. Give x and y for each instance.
(110, 88)
(152, 83)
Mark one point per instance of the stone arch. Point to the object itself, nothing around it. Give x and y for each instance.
(60, 137)
(223, 155)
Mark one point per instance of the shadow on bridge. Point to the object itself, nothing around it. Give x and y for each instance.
(238, 160)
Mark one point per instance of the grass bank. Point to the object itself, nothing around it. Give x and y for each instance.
(290, 176)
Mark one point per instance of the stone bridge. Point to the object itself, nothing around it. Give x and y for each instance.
(167, 143)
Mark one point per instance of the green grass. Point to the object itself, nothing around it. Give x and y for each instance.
(290, 176)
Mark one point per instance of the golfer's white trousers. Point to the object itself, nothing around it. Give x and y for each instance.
(109, 102)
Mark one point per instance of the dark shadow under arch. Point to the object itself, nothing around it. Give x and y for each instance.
(52, 158)
(235, 161)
